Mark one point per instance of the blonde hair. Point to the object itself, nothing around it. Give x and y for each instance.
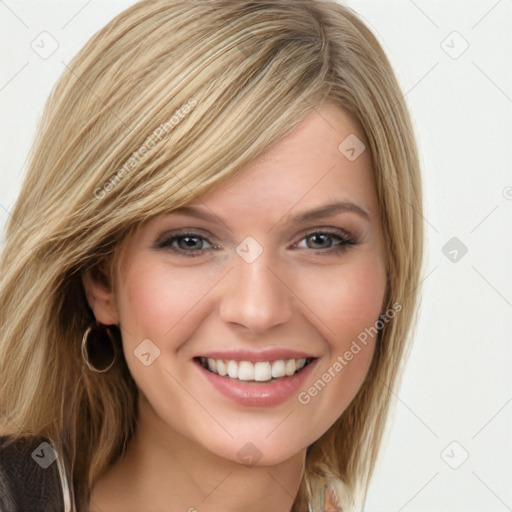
(249, 72)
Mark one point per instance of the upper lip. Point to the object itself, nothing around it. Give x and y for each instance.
(253, 356)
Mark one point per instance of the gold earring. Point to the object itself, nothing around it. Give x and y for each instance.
(99, 348)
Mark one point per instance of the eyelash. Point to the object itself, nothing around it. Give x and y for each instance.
(344, 241)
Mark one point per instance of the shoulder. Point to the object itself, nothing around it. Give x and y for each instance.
(30, 479)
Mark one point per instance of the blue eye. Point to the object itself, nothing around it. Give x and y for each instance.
(330, 240)
(188, 244)
(193, 244)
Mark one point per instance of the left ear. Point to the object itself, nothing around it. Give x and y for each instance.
(100, 295)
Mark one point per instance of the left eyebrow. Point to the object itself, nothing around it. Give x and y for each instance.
(330, 210)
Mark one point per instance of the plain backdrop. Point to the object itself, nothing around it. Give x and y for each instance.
(450, 446)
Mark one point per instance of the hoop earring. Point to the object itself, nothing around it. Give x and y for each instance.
(98, 348)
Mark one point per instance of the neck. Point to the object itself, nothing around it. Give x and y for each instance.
(162, 470)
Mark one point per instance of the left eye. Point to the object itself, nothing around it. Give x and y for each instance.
(324, 240)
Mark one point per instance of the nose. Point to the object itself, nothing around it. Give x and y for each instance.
(256, 296)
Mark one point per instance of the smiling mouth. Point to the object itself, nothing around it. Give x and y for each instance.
(261, 371)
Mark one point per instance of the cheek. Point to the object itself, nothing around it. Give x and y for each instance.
(359, 300)
(162, 303)
(155, 299)
(355, 305)
(349, 308)
(346, 299)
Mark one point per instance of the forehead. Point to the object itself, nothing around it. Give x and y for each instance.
(313, 165)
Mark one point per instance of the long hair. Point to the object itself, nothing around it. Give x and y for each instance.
(167, 101)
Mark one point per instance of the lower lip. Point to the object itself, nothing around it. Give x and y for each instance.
(258, 394)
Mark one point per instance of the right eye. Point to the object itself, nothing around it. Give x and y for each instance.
(186, 244)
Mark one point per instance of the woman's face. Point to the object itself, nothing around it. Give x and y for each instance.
(283, 264)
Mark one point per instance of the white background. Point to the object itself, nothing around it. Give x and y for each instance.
(456, 396)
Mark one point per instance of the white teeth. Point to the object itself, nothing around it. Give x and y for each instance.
(290, 367)
(261, 371)
(245, 370)
(278, 369)
(233, 369)
(221, 368)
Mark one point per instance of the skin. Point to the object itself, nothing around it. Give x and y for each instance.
(300, 293)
